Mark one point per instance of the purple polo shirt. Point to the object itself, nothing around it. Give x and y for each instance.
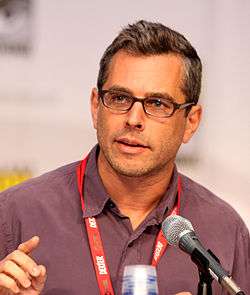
(49, 206)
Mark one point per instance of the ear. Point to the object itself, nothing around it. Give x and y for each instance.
(192, 122)
(94, 100)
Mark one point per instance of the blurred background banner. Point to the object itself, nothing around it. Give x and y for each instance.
(49, 55)
(15, 26)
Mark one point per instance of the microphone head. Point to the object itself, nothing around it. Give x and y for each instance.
(174, 227)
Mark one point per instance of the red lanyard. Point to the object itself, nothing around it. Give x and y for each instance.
(95, 242)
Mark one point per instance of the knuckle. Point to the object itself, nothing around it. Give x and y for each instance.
(7, 265)
(12, 284)
(1, 279)
(7, 282)
(15, 254)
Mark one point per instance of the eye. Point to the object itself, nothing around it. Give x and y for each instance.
(118, 98)
(158, 103)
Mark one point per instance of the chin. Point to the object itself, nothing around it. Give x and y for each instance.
(131, 170)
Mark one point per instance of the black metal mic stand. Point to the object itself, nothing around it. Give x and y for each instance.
(206, 279)
(205, 282)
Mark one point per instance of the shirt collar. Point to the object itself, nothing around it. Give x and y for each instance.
(96, 197)
(94, 193)
(168, 201)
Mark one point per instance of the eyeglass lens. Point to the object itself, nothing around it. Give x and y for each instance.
(118, 101)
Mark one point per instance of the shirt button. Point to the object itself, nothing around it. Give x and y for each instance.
(131, 244)
(111, 204)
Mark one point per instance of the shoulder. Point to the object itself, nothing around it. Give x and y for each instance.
(204, 207)
(219, 227)
(199, 196)
(35, 205)
(56, 181)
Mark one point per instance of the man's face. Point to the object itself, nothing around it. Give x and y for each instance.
(134, 143)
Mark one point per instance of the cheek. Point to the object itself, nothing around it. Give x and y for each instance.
(169, 135)
(106, 126)
(178, 125)
(101, 122)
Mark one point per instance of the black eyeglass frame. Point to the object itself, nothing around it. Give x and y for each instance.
(176, 106)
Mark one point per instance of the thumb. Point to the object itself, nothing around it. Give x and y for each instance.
(29, 245)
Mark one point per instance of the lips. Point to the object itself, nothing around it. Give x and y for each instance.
(131, 142)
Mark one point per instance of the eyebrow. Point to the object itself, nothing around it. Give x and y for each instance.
(164, 95)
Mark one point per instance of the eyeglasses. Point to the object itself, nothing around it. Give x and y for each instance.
(122, 102)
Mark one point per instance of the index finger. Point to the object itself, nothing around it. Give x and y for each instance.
(28, 246)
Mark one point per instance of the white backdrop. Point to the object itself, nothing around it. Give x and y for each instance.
(44, 96)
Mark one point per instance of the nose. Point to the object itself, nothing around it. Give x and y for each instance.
(136, 117)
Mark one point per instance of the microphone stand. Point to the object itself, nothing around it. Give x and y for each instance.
(206, 279)
(205, 282)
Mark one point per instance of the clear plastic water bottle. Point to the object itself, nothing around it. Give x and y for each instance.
(139, 280)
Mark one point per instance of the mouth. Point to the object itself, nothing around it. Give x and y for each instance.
(131, 146)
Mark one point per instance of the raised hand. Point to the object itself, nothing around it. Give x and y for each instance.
(19, 273)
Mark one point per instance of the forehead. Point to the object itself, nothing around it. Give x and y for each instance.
(146, 74)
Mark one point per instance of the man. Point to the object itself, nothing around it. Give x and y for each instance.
(90, 219)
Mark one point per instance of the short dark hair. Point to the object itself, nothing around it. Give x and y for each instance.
(148, 38)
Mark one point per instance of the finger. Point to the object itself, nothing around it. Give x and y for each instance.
(29, 245)
(38, 282)
(8, 283)
(11, 269)
(25, 262)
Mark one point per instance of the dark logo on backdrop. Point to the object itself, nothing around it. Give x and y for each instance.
(15, 26)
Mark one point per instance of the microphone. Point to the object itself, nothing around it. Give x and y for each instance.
(179, 231)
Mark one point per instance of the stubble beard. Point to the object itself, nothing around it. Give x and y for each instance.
(127, 168)
(130, 167)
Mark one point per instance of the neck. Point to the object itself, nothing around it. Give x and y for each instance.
(135, 196)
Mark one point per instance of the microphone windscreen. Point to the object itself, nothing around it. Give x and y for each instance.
(174, 227)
